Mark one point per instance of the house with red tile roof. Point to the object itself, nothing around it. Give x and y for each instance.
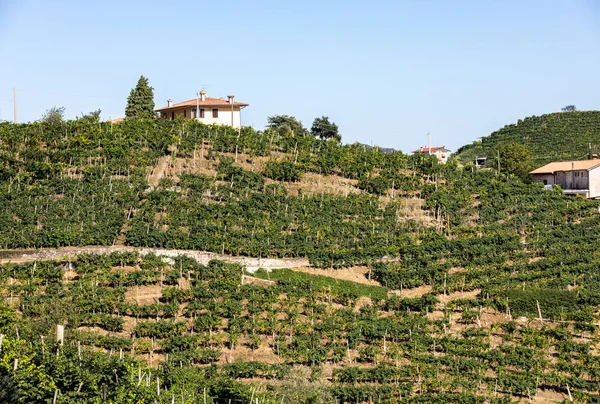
(206, 109)
(580, 177)
(440, 152)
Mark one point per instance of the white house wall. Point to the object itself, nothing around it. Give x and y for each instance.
(541, 177)
(594, 176)
(224, 117)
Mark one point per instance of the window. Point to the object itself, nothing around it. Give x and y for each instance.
(184, 113)
(172, 115)
(194, 113)
(201, 112)
(215, 113)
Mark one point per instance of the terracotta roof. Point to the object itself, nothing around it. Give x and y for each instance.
(551, 168)
(117, 120)
(208, 102)
(425, 149)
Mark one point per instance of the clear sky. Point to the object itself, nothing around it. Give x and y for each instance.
(387, 72)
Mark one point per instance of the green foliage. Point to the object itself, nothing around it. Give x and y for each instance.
(410, 221)
(286, 125)
(553, 303)
(324, 129)
(558, 136)
(54, 115)
(300, 283)
(90, 117)
(140, 102)
(283, 171)
(513, 159)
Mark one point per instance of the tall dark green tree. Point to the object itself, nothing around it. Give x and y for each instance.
(324, 129)
(140, 103)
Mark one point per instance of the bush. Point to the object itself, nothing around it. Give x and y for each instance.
(283, 171)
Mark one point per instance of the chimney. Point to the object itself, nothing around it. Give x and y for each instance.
(202, 95)
(230, 99)
(169, 103)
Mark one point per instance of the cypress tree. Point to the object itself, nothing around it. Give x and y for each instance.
(140, 103)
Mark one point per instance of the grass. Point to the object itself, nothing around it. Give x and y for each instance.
(337, 287)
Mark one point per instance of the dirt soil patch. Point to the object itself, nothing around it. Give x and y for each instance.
(472, 294)
(362, 301)
(414, 292)
(143, 294)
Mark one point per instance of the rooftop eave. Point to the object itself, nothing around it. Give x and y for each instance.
(239, 104)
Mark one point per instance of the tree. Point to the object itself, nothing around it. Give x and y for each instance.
(54, 115)
(90, 117)
(513, 158)
(569, 108)
(286, 125)
(324, 129)
(140, 103)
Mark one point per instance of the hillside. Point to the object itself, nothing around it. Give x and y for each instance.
(552, 137)
(402, 281)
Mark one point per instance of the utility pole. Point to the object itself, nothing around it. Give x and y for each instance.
(429, 143)
(197, 105)
(498, 160)
(15, 105)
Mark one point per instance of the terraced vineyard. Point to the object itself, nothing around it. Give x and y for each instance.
(552, 137)
(426, 283)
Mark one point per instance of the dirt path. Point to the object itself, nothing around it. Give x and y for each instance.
(164, 163)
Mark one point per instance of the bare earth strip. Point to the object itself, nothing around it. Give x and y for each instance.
(161, 169)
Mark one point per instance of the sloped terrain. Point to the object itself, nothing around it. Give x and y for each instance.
(473, 287)
(558, 136)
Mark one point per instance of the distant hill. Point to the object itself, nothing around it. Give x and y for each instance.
(551, 137)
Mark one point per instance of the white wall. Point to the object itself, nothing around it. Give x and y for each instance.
(594, 175)
(223, 119)
(541, 177)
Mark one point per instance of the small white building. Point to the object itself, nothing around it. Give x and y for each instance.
(440, 152)
(574, 177)
(206, 109)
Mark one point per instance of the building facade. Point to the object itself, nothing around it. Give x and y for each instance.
(206, 110)
(574, 177)
(440, 152)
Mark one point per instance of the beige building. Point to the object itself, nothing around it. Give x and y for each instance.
(574, 177)
(206, 109)
(440, 152)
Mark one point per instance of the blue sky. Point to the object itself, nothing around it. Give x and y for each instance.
(387, 72)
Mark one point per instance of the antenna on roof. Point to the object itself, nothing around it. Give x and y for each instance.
(428, 143)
